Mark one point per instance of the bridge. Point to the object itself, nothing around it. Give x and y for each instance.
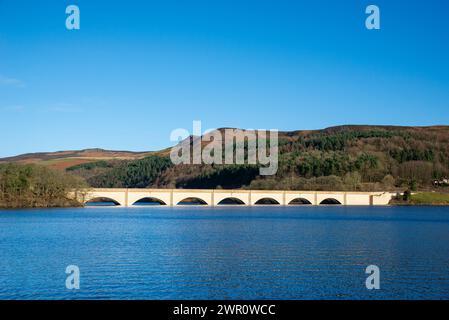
(217, 197)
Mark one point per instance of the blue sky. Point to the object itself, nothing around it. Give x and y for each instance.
(136, 70)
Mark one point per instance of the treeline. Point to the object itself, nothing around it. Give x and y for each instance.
(341, 158)
(317, 164)
(208, 176)
(32, 186)
(129, 174)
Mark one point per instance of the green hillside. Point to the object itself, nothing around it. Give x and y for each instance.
(339, 158)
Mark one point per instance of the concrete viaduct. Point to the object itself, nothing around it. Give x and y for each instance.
(173, 197)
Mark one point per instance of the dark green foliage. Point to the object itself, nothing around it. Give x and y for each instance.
(132, 174)
(407, 195)
(339, 141)
(326, 164)
(226, 177)
(91, 165)
(404, 155)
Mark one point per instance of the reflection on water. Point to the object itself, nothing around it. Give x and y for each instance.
(101, 204)
(231, 252)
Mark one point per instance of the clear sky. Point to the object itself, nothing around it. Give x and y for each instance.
(136, 70)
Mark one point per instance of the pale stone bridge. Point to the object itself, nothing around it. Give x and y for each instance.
(172, 197)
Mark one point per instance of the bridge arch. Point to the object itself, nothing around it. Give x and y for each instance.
(330, 201)
(102, 202)
(267, 197)
(329, 198)
(231, 201)
(300, 201)
(267, 201)
(149, 201)
(192, 201)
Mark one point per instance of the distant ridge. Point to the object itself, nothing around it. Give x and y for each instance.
(65, 159)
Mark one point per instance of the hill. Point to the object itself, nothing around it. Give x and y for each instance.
(350, 157)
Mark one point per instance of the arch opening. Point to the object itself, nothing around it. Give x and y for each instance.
(192, 201)
(267, 201)
(101, 202)
(149, 201)
(299, 202)
(231, 201)
(330, 201)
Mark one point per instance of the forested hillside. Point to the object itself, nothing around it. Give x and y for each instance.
(123, 174)
(338, 158)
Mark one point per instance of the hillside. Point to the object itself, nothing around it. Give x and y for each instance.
(338, 158)
(65, 159)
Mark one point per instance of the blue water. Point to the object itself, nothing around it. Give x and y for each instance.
(225, 253)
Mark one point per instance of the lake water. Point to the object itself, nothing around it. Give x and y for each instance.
(225, 252)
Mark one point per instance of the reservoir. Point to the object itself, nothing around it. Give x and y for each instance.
(229, 252)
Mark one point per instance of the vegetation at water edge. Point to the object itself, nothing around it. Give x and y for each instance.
(33, 186)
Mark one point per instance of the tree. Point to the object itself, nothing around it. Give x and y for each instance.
(388, 182)
(352, 180)
(407, 195)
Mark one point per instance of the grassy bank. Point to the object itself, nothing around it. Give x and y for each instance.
(429, 198)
